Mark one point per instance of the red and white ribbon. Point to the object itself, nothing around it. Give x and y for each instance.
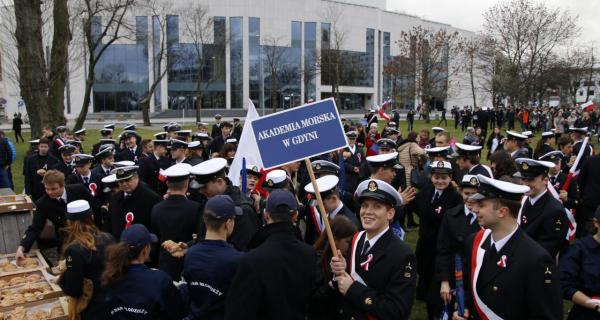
(365, 264)
(93, 187)
(129, 217)
(502, 262)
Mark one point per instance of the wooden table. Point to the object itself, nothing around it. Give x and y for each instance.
(12, 226)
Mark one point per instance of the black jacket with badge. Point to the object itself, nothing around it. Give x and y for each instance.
(65, 168)
(127, 155)
(355, 160)
(430, 220)
(149, 171)
(526, 288)
(55, 211)
(546, 222)
(33, 181)
(274, 280)
(139, 203)
(452, 239)
(175, 218)
(390, 281)
(83, 264)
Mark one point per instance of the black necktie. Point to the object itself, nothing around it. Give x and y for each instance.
(86, 180)
(366, 247)
(107, 172)
(61, 201)
(470, 216)
(553, 180)
(436, 196)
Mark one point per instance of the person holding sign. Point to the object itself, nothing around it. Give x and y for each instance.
(508, 274)
(380, 280)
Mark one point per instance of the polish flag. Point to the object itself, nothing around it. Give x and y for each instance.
(381, 110)
(588, 106)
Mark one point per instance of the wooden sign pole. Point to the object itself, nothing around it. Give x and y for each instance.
(324, 214)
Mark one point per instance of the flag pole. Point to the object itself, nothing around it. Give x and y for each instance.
(573, 169)
(321, 206)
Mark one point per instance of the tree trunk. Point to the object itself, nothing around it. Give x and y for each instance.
(87, 94)
(472, 84)
(273, 92)
(33, 82)
(58, 64)
(199, 95)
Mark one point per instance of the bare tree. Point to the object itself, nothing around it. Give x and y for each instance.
(428, 56)
(198, 26)
(526, 33)
(273, 53)
(41, 83)
(470, 61)
(157, 9)
(331, 62)
(103, 23)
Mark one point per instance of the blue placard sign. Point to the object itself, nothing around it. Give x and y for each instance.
(299, 133)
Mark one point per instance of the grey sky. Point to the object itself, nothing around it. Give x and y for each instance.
(468, 14)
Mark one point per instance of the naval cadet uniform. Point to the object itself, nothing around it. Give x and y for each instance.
(458, 224)
(150, 168)
(432, 205)
(126, 209)
(32, 180)
(580, 271)
(514, 277)
(55, 211)
(209, 267)
(144, 293)
(246, 224)
(176, 218)
(327, 184)
(544, 220)
(383, 268)
(83, 263)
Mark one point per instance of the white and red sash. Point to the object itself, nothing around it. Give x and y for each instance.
(353, 273)
(477, 255)
(355, 276)
(570, 213)
(315, 215)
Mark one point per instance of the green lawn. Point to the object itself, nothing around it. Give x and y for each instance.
(419, 310)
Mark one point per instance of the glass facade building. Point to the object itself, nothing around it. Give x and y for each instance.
(275, 72)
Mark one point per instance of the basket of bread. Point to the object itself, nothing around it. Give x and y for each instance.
(53, 309)
(19, 289)
(33, 261)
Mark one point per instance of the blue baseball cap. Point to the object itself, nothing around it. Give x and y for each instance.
(222, 206)
(137, 236)
(281, 197)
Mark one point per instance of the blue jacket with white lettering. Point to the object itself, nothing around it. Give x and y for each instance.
(208, 268)
(144, 294)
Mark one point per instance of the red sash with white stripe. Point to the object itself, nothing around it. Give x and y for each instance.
(477, 255)
(355, 276)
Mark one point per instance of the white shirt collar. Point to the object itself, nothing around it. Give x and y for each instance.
(375, 238)
(536, 198)
(500, 243)
(467, 211)
(64, 195)
(105, 168)
(89, 175)
(512, 154)
(352, 149)
(335, 212)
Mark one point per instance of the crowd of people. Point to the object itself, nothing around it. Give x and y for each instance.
(156, 229)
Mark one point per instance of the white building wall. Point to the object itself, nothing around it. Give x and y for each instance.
(275, 19)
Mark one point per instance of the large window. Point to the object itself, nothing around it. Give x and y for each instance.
(310, 61)
(121, 74)
(195, 69)
(354, 68)
(255, 62)
(282, 71)
(236, 62)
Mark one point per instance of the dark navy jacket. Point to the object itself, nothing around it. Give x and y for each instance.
(580, 271)
(208, 269)
(144, 294)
